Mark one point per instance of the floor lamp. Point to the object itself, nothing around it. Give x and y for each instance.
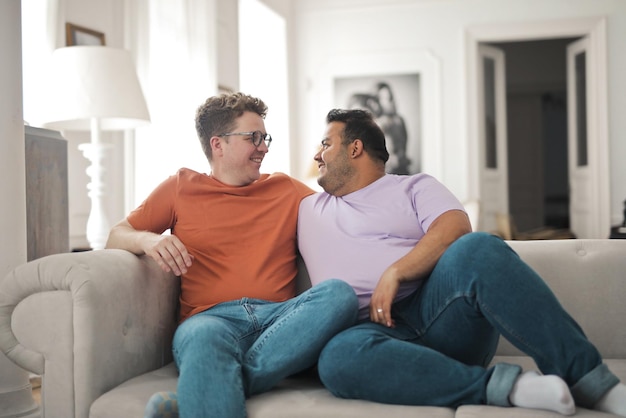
(95, 88)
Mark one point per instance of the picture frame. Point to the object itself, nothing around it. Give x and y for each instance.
(394, 101)
(78, 36)
(419, 64)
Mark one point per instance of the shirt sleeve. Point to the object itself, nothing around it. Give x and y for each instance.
(157, 213)
(302, 189)
(431, 199)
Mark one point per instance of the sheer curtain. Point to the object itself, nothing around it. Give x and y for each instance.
(175, 45)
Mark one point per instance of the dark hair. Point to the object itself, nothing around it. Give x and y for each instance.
(361, 125)
(218, 114)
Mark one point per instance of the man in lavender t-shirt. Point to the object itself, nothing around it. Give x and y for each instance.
(389, 211)
(434, 297)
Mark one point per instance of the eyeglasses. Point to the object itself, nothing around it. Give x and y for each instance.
(256, 137)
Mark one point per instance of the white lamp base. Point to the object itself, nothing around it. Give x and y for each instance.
(97, 223)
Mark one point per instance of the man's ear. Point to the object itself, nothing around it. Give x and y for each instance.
(356, 148)
(216, 144)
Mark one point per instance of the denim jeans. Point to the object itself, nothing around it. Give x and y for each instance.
(447, 331)
(240, 348)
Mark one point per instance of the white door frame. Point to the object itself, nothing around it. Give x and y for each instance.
(494, 181)
(581, 182)
(595, 29)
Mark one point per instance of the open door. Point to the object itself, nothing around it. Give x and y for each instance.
(582, 166)
(494, 196)
(590, 193)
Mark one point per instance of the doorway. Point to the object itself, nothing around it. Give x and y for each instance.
(588, 184)
(536, 103)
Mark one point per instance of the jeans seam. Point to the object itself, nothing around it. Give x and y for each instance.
(276, 325)
(443, 308)
(528, 349)
(483, 308)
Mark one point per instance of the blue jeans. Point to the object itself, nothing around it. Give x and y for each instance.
(240, 348)
(446, 335)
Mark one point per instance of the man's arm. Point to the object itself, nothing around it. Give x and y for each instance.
(418, 263)
(167, 250)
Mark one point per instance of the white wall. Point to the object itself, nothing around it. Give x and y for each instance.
(12, 163)
(14, 386)
(331, 32)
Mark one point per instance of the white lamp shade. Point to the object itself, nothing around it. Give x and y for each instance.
(94, 82)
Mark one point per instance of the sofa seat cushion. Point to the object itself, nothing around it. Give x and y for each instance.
(302, 397)
(305, 397)
(130, 398)
(481, 411)
(617, 366)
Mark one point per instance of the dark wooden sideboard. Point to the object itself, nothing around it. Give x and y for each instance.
(47, 214)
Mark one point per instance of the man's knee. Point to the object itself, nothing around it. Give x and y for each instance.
(340, 295)
(477, 246)
(336, 287)
(477, 240)
(348, 355)
(335, 360)
(198, 333)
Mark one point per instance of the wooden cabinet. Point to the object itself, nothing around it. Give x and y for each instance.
(47, 215)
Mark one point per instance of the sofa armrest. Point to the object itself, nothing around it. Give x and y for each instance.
(87, 322)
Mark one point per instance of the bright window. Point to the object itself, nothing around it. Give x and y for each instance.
(263, 73)
(36, 49)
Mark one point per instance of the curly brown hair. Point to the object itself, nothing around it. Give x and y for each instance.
(219, 113)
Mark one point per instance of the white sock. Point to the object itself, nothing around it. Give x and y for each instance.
(614, 401)
(535, 391)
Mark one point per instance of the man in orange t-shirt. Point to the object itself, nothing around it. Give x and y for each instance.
(233, 242)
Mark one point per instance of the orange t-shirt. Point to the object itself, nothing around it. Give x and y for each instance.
(243, 239)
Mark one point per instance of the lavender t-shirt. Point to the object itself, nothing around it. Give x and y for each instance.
(357, 236)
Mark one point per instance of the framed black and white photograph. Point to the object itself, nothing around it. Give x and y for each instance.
(401, 88)
(394, 101)
(77, 35)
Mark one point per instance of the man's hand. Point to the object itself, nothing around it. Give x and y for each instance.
(418, 263)
(167, 250)
(383, 296)
(169, 253)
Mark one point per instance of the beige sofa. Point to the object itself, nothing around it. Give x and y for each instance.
(98, 325)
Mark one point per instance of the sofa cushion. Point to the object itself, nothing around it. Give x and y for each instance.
(595, 269)
(481, 411)
(302, 397)
(130, 398)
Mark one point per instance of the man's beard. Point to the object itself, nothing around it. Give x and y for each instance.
(337, 176)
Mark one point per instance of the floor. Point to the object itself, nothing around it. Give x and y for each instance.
(35, 382)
